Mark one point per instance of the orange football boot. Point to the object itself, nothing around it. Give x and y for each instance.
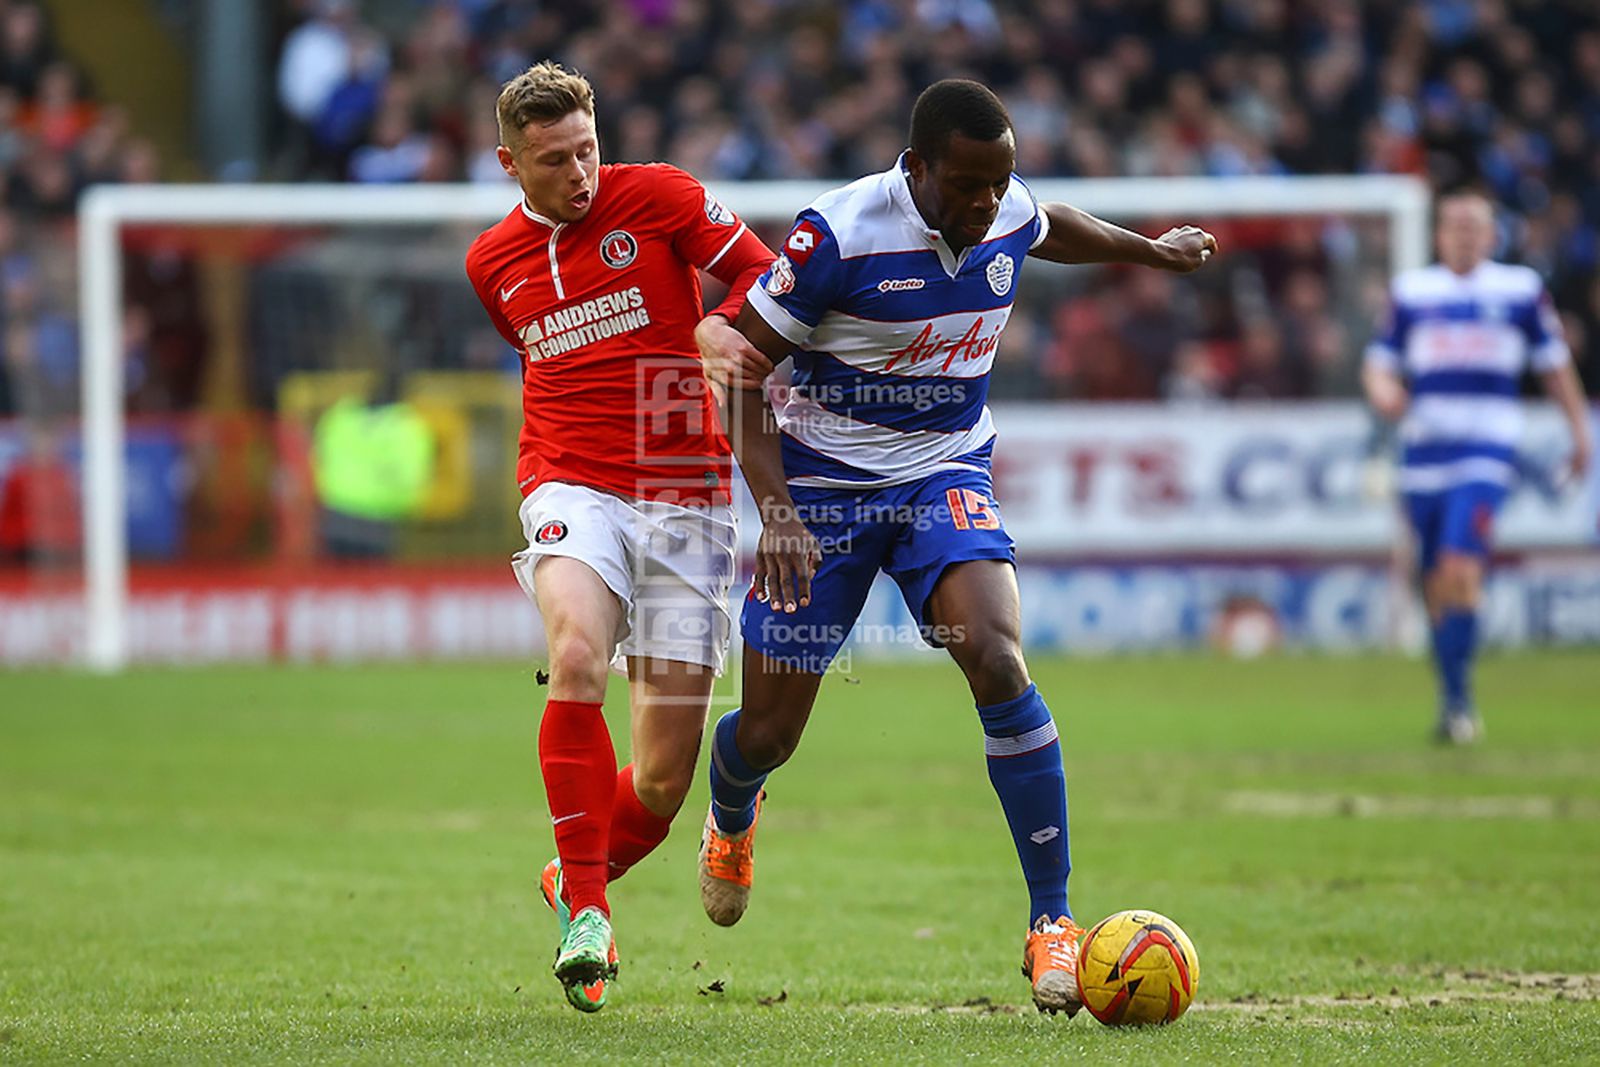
(727, 866)
(1050, 962)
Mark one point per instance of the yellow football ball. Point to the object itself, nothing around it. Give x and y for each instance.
(1137, 967)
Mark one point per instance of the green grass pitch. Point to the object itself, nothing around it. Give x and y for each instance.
(339, 865)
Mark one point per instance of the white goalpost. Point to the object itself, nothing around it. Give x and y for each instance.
(104, 210)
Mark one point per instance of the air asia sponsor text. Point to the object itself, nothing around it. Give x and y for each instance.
(973, 344)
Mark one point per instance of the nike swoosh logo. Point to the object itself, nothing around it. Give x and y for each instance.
(506, 294)
(575, 815)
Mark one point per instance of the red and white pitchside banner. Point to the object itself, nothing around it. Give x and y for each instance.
(329, 614)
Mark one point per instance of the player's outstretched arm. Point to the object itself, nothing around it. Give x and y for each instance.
(1078, 237)
(786, 555)
(1561, 385)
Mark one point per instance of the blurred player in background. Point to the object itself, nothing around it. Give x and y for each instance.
(892, 293)
(625, 474)
(1449, 367)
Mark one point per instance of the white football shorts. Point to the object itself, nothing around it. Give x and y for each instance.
(671, 564)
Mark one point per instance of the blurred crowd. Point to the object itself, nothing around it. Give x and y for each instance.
(56, 139)
(1500, 94)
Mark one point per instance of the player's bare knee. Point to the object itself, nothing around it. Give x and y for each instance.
(996, 670)
(662, 787)
(1433, 593)
(769, 752)
(578, 666)
(1460, 579)
(1463, 593)
(769, 744)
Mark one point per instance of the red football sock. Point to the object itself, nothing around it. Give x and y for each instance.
(579, 767)
(635, 829)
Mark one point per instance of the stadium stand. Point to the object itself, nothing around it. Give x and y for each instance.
(57, 138)
(1504, 95)
(1501, 94)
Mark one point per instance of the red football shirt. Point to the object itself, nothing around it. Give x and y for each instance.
(603, 311)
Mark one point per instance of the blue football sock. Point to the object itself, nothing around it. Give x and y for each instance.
(1025, 769)
(735, 784)
(1455, 645)
(1441, 659)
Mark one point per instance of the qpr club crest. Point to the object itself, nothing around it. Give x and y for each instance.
(999, 272)
(550, 532)
(618, 249)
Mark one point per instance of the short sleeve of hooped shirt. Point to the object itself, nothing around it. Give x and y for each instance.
(803, 282)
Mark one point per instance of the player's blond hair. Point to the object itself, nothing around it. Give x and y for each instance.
(544, 93)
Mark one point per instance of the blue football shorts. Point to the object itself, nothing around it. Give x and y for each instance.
(1457, 519)
(913, 532)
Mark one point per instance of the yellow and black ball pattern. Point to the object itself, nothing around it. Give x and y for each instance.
(1137, 967)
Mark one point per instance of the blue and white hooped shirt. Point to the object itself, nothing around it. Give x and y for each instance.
(896, 333)
(1462, 343)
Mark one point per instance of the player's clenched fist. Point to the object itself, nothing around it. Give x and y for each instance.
(1189, 248)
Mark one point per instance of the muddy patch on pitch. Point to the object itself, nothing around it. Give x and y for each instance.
(1454, 988)
(973, 1006)
(1295, 805)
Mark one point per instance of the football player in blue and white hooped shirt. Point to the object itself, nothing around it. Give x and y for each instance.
(1449, 366)
(891, 293)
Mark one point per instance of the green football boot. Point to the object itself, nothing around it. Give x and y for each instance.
(587, 960)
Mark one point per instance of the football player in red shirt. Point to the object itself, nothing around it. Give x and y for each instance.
(625, 474)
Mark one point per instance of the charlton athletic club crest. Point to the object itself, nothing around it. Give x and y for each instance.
(999, 273)
(618, 249)
(550, 532)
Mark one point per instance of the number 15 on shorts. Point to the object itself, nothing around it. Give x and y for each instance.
(970, 510)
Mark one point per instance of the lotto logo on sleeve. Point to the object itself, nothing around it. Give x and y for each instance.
(801, 243)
